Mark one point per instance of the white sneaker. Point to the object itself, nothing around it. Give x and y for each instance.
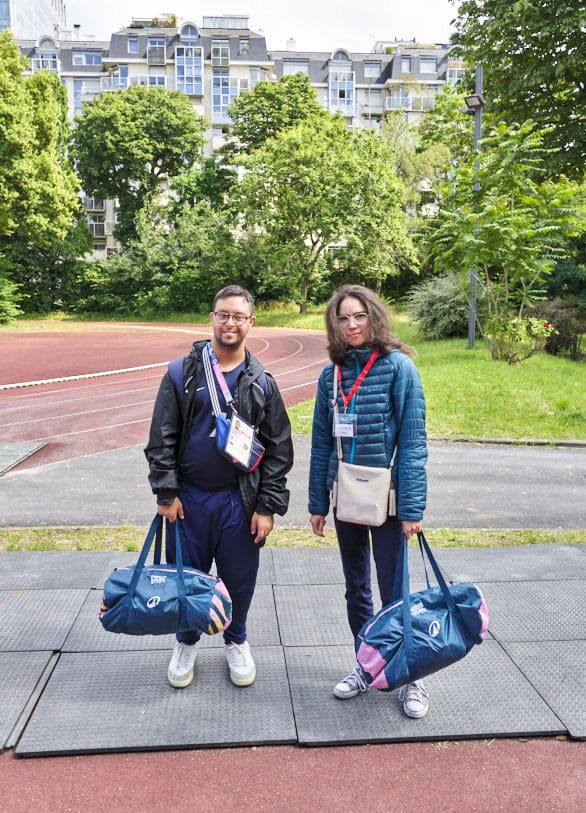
(180, 671)
(242, 668)
(352, 685)
(414, 697)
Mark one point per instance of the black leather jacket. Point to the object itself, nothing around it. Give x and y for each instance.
(264, 489)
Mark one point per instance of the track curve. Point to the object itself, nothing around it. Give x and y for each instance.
(91, 389)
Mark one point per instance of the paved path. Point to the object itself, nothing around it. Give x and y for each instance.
(470, 486)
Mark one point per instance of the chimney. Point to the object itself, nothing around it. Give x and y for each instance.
(76, 31)
(291, 44)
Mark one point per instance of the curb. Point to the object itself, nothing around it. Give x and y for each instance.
(580, 444)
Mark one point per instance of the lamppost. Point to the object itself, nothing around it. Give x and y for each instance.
(474, 105)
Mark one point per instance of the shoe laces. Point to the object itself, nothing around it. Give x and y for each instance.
(356, 679)
(414, 691)
(183, 655)
(237, 655)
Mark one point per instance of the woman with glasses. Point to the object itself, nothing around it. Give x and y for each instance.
(380, 417)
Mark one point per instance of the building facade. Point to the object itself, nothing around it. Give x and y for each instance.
(215, 62)
(29, 19)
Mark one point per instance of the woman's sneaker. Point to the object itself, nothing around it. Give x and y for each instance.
(352, 685)
(414, 698)
(180, 671)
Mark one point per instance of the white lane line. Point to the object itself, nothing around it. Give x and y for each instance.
(82, 376)
(48, 418)
(94, 429)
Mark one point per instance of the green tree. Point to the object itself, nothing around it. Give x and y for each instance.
(127, 143)
(512, 228)
(534, 57)
(377, 243)
(271, 107)
(39, 203)
(300, 190)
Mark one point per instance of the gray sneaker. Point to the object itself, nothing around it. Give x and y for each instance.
(180, 671)
(414, 697)
(242, 668)
(352, 685)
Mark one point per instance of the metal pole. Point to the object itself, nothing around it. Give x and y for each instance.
(476, 187)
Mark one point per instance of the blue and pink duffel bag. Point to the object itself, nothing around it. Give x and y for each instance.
(422, 632)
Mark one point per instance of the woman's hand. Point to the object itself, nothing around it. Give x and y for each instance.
(410, 527)
(317, 522)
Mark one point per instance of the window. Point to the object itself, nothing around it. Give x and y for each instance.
(220, 53)
(189, 70)
(292, 66)
(341, 92)
(87, 58)
(156, 51)
(132, 44)
(244, 47)
(189, 35)
(84, 90)
(96, 224)
(258, 75)
(427, 64)
(372, 70)
(406, 64)
(454, 75)
(224, 90)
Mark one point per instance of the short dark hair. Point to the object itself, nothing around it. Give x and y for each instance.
(379, 334)
(234, 290)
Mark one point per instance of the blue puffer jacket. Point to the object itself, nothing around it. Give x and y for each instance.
(390, 409)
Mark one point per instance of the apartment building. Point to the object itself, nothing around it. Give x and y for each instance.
(32, 18)
(215, 62)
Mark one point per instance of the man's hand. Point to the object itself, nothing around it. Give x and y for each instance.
(171, 512)
(261, 525)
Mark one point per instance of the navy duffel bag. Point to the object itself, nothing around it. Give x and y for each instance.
(422, 632)
(161, 599)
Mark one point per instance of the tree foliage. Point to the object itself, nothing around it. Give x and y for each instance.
(512, 228)
(271, 107)
(128, 142)
(534, 57)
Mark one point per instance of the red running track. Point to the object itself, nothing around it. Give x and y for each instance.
(108, 404)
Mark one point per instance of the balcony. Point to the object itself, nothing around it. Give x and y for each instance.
(110, 83)
(417, 104)
(156, 55)
(148, 81)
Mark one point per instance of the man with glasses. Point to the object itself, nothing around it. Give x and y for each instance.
(226, 512)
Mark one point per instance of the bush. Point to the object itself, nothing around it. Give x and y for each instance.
(440, 307)
(570, 324)
(9, 298)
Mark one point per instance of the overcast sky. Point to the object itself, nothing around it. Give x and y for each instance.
(315, 25)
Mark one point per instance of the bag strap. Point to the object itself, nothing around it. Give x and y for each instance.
(207, 366)
(156, 531)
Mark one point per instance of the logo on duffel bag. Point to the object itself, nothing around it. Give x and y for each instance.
(153, 602)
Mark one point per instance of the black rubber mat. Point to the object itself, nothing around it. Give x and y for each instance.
(19, 674)
(483, 695)
(122, 701)
(88, 635)
(536, 611)
(519, 563)
(54, 570)
(37, 619)
(315, 615)
(307, 566)
(557, 670)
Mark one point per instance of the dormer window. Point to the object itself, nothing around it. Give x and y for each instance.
(189, 35)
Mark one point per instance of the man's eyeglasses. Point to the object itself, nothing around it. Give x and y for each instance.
(359, 318)
(224, 317)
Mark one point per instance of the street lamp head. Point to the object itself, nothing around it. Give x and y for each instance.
(474, 102)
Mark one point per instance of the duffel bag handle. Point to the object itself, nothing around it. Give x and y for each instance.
(156, 532)
(402, 574)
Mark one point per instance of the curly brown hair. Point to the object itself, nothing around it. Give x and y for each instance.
(379, 334)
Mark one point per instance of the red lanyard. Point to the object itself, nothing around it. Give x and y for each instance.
(347, 398)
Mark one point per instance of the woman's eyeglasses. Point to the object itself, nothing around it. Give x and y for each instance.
(359, 318)
(238, 318)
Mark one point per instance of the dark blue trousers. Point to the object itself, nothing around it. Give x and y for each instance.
(354, 542)
(216, 528)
